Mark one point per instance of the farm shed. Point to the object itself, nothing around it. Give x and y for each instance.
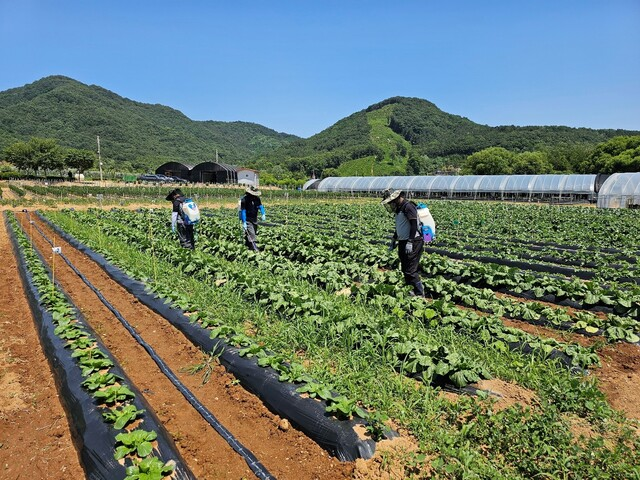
(214, 172)
(620, 190)
(565, 188)
(247, 176)
(174, 169)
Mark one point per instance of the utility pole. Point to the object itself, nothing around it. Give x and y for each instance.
(99, 160)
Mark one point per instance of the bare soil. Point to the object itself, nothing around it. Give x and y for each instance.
(285, 452)
(35, 440)
(508, 394)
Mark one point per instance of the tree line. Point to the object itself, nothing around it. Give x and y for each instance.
(619, 154)
(46, 155)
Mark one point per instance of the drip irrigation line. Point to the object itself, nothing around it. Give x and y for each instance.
(254, 464)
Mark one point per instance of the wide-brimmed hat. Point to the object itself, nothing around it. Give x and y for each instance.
(388, 196)
(251, 190)
(172, 193)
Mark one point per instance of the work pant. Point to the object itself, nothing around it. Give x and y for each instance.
(186, 235)
(251, 235)
(409, 263)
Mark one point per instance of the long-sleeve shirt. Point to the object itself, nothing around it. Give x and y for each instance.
(251, 204)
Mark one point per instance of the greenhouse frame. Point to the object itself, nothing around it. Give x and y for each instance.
(620, 190)
(558, 188)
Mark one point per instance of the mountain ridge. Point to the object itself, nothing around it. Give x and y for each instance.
(135, 134)
(398, 135)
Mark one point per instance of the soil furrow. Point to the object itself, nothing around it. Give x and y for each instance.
(35, 440)
(284, 451)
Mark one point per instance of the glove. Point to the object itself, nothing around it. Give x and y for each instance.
(408, 247)
(244, 225)
(392, 245)
(264, 217)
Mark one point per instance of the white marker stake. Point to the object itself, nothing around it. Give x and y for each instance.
(56, 251)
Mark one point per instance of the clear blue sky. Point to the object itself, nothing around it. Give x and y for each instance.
(300, 66)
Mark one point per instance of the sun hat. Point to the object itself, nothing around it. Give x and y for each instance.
(252, 190)
(175, 191)
(388, 196)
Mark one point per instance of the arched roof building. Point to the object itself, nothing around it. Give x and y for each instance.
(214, 172)
(620, 190)
(175, 169)
(568, 187)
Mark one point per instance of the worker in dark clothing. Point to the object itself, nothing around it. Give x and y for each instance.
(250, 205)
(406, 236)
(186, 233)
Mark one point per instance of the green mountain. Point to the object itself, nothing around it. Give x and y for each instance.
(133, 135)
(402, 135)
(397, 136)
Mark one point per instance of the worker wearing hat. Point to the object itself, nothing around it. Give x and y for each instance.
(250, 205)
(186, 233)
(406, 236)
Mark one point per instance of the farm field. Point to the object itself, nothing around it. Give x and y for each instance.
(524, 362)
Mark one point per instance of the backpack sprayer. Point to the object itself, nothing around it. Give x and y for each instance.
(426, 223)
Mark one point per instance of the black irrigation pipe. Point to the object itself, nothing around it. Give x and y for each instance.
(527, 256)
(254, 464)
(309, 415)
(563, 246)
(556, 261)
(93, 438)
(537, 267)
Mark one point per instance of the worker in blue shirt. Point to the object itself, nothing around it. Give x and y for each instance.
(250, 205)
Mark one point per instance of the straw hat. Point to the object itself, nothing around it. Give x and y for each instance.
(251, 190)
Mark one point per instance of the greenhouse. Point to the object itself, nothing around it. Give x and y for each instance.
(553, 188)
(620, 190)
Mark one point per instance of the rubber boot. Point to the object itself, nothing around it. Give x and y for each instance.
(418, 289)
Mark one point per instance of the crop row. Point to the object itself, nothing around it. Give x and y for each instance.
(102, 380)
(447, 431)
(387, 293)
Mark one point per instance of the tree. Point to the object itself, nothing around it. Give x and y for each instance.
(620, 154)
(18, 154)
(531, 163)
(46, 154)
(490, 161)
(81, 160)
(417, 164)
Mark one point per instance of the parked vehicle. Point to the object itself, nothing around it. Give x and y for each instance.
(148, 177)
(179, 179)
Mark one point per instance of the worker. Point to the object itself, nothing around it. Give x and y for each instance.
(250, 205)
(406, 237)
(184, 229)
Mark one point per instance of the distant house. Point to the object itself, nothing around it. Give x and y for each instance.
(247, 176)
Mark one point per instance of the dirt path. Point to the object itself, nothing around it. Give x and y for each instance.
(35, 441)
(285, 452)
(7, 194)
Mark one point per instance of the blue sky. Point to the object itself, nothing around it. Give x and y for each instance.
(300, 66)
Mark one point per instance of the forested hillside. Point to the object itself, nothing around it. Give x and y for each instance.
(397, 136)
(133, 135)
(412, 136)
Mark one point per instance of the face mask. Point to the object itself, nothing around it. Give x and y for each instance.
(391, 207)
